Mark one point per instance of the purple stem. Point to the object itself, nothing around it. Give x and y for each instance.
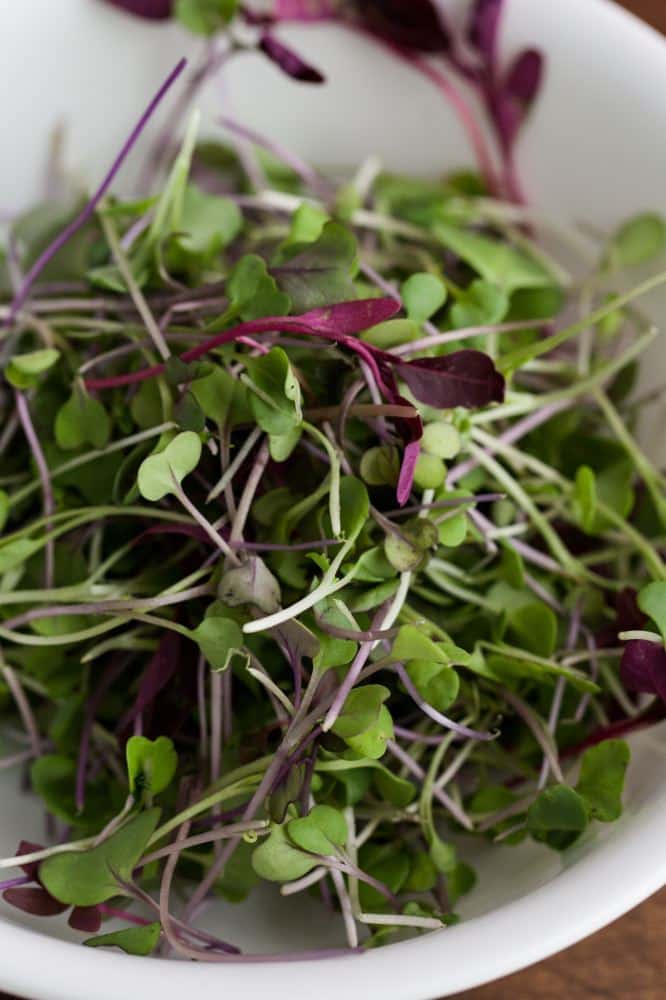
(438, 793)
(445, 504)
(415, 737)
(436, 716)
(131, 918)
(13, 882)
(533, 723)
(89, 210)
(353, 673)
(45, 478)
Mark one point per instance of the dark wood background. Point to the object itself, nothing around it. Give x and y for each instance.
(626, 961)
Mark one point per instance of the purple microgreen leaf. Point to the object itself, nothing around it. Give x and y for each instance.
(409, 24)
(156, 676)
(151, 10)
(524, 77)
(337, 322)
(520, 90)
(483, 28)
(643, 667)
(27, 847)
(465, 378)
(86, 919)
(407, 469)
(288, 60)
(34, 900)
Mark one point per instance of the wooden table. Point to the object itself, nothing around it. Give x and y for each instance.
(626, 961)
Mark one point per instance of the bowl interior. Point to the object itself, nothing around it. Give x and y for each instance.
(588, 155)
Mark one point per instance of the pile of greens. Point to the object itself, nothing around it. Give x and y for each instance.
(326, 545)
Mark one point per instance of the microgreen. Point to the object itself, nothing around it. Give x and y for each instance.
(161, 473)
(282, 550)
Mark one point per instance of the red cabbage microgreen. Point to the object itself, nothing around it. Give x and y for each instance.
(325, 546)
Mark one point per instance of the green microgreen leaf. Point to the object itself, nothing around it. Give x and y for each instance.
(319, 273)
(497, 263)
(652, 601)
(423, 295)
(158, 472)
(482, 304)
(219, 639)
(254, 292)
(277, 404)
(208, 222)
(278, 860)
(86, 878)
(558, 816)
(81, 420)
(320, 832)
(23, 370)
(601, 782)
(151, 764)
(131, 940)
(205, 17)
(638, 240)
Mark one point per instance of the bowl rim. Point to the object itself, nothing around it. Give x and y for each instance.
(517, 938)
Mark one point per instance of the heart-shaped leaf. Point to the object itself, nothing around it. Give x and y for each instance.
(158, 472)
(132, 940)
(320, 832)
(278, 860)
(86, 878)
(361, 710)
(81, 420)
(151, 764)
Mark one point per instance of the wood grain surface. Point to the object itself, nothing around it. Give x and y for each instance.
(626, 961)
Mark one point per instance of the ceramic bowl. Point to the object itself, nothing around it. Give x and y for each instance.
(594, 152)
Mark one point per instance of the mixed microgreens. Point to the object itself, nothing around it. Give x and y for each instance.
(327, 546)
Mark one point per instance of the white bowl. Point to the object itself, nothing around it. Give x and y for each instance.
(594, 151)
